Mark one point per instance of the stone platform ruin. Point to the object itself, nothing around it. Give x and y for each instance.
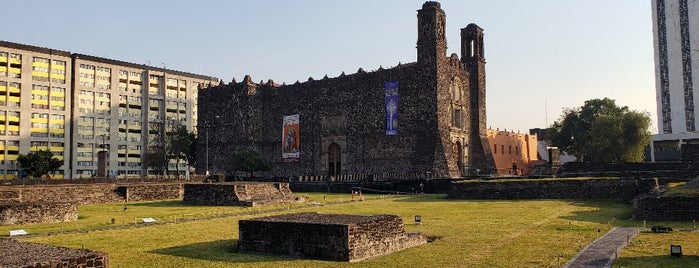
(238, 194)
(337, 237)
(25, 254)
(37, 212)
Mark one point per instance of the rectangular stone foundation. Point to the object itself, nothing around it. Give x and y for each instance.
(25, 254)
(237, 193)
(338, 237)
(30, 213)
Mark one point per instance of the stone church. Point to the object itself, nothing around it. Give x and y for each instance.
(424, 117)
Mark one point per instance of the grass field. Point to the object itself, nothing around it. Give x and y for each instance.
(463, 233)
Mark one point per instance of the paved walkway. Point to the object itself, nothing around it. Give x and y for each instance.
(603, 251)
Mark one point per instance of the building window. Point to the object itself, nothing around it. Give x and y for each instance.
(495, 149)
(457, 118)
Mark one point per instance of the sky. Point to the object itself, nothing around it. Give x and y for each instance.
(543, 56)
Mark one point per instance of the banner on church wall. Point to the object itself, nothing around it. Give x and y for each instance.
(391, 92)
(290, 138)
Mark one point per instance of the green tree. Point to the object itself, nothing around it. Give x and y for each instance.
(182, 145)
(250, 161)
(39, 163)
(601, 131)
(156, 157)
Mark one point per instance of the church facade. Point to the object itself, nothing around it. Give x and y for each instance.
(424, 117)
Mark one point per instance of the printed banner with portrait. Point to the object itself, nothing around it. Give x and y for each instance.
(391, 91)
(290, 139)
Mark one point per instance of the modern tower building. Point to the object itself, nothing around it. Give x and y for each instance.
(81, 107)
(676, 41)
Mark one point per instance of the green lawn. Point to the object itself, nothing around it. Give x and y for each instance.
(467, 233)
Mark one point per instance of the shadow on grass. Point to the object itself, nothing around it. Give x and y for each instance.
(663, 261)
(614, 212)
(220, 250)
(596, 211)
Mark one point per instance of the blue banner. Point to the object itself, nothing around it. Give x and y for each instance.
(391, 91)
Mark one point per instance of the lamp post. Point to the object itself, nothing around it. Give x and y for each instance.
(207, 149)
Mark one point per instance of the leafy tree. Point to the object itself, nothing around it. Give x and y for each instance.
(39, 163)
(250, 161)
(156, 157)
(601, 131)
(182, 145)
(169, 141)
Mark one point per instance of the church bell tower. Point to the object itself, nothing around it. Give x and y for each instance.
(431, 40)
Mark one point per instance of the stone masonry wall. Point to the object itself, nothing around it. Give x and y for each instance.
(26, 255)
(326, 236)
(30, 213)
(437, 97)
(211, 194)
(666, 208)
(380, 235)
(237, 193)
(150, 192)
(92, 193)
(625, 189)
(81, 194)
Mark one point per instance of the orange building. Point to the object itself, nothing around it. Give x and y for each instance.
(513, 153)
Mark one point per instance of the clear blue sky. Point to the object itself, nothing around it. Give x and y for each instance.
(541, 53)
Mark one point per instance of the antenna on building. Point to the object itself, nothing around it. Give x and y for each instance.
(546, 112)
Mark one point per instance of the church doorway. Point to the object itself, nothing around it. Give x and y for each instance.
(334, 159)
(459, 156)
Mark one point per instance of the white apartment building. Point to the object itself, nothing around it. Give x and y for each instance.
(676, 43)
(79, 105)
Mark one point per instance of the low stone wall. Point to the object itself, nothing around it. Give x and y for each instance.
(150, 192)
(25, 254)
(92, 193)
(237, 193)
(29, 213)
(666, 208)
(592, 188)
(81, 194)
(327, 236)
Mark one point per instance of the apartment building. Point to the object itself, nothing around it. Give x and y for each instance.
(82, 107)
(35, 104)
(675, 38)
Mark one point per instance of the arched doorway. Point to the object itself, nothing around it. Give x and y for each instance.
(334, 159)
(459, 157)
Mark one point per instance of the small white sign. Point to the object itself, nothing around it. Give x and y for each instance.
(148, 220)
(18, 232)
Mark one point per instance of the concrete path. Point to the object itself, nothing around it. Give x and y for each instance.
(603, 251)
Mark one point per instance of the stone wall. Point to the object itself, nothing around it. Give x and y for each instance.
(326, 236)
(150, 192)
(237, 193)
(666, 208)
(594, 188)
(44, 212)
(441, 114)
(26, 254)
(81, 194)
(92, 193)
(682, 170)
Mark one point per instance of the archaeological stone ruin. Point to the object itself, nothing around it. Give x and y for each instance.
(25, 254)
(249, 194)
(337, 237)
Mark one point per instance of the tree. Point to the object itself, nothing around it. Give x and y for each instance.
(156, 157)
(168, 141)
(39, 163)
(601, 131)
(182, 145)
(250, 161)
